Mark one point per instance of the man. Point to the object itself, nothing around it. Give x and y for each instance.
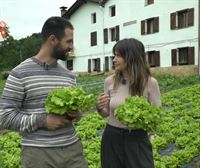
(48, 140)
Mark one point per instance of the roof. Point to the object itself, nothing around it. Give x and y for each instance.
(78, 4)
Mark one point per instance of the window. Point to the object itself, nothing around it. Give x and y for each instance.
(112, 11)
(96, 64)
(153, 58)
(150, 23)
(182, 19)
(148, 2)
(182, 56)
(114, 34)
(150, 26)
(93, 37)
(93, 17)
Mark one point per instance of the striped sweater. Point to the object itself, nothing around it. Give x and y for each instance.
(22, 103)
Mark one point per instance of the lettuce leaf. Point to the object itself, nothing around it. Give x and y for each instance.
(67, 99)
(137, 113)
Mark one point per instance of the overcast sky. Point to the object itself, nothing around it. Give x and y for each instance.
(25, 17)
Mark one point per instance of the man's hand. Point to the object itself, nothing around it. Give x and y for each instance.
(73, 115)
(55, 121)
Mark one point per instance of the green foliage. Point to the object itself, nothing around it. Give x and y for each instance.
(169, 82)
(68, 99)
(30, 46)
(9, 53)
(179, 128)
(10, 150)
(92, 84)
(89, 130)
(137, 113)
(12, 51)
(2, 83)
(92, 152)
(89, 125)
(5, 74)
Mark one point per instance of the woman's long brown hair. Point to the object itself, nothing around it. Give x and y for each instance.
(133, 53)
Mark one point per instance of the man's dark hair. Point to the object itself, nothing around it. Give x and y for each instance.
(55, 26)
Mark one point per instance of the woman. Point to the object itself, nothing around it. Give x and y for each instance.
(121, 148)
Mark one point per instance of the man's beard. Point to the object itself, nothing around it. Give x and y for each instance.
(59, 53)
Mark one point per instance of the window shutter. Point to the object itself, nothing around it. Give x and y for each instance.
(174, 56)
(105, 34)
(106, 64)
(156, 24)
(95, 18)
(191, 17)
(157, 58)
(173, 20)
(191, 55)
(117, 33)
(143, 27)
(98, 64)
(148, 2)
(93, 39)
(89, 65)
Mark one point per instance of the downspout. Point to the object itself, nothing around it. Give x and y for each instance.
(101, 5)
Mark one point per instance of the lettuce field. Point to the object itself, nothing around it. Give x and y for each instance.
(176, 143)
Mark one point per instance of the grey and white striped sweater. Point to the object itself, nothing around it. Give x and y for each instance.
(22, 103)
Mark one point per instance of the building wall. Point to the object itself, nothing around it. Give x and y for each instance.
(167, 39)
(129, 14)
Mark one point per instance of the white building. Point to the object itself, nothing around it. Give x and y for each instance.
(169, 30)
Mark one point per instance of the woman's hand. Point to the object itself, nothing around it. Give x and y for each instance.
(102, 101)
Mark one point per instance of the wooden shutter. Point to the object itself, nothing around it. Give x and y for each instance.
(98, 64)
(117, 33)
(91, 39)
(94, 18)
(174, 56)
(151, 1)
(143, 27)
(173, 20)
(105, 34)
(93, 36)
(157, 58)
(89, 65)
(106, 64)
(191, 17)
(156, 24)
(191, 55)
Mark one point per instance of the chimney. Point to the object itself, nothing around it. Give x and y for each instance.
(63, 10)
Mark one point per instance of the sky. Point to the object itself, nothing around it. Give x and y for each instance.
(25, 17)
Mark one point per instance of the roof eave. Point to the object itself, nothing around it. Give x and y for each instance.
(78, 4)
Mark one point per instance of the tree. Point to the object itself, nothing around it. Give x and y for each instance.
(12, 51)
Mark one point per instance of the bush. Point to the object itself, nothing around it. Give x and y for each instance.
(5, 74)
